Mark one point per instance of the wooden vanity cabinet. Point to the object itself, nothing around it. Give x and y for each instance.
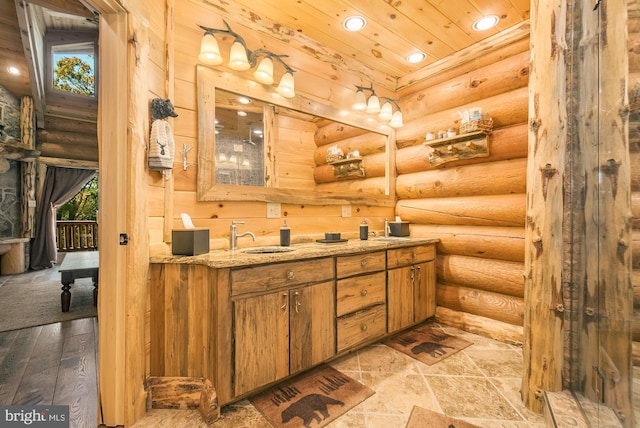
(410, 286)
(360, 299)
(283, 331)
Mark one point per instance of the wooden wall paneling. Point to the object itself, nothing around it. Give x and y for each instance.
(480, 325)
(496, 306)
(335, 132)
(501, 243)
(504, 143)
(492, 178)
(498, 276)
(166, 16)
(491, 210)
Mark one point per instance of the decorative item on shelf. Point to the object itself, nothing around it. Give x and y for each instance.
(241, 58)
(334, 153)
(372, 105)
(463, 146)
(349, 167)
(472, 120)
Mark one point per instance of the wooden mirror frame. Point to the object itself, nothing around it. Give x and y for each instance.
(208, 190)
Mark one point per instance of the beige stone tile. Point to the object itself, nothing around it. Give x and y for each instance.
(458, 364)
(503, 363)
(349, 420)
(478, 341)
(493, 423)
(510, 388)
(466, 397)
(349, 362)
(381, 358)
(397, 393)
(375, 420)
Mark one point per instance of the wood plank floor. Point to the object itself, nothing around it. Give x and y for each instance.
(52, 364)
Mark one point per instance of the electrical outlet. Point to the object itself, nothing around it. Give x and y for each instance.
(346, 211)
(273, 210)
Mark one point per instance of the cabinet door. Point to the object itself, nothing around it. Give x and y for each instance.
(312, 325)
(424, 298)
(261, 331)
(400, 298)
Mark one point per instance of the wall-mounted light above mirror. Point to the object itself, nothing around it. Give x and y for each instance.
(229, 163)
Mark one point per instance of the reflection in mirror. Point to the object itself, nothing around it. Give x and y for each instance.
(239, 129)
(289, 161)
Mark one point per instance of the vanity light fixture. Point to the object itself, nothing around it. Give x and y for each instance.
(241, 59)
(354, 23)
(486, 22)
(372, 106)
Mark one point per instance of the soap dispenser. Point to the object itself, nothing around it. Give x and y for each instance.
(364, 230)
(285, 235)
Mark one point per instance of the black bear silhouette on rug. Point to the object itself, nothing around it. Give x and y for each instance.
(312, 399)
(427, 344)
(310, 407)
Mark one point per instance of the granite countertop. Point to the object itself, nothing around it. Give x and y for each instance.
(227, 258)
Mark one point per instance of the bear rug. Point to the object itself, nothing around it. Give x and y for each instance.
(421, 418)
(427, 344)
(312, 399)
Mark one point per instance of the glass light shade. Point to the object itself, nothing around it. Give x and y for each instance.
(285, 88)
(209, 50)
(373, 105)
(238, 57)
(264, 72)
(386, 112)
(486, 22)
(360, 102)
(396, 120)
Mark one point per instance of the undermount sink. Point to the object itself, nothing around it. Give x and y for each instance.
(267, 250)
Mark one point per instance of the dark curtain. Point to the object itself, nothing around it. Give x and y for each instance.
(60, 185)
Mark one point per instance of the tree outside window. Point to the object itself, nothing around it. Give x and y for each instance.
(83, 206)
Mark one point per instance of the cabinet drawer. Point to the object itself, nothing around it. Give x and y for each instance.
(360, 327)
(273, 276)
(360, 292)
(360, 263)
(410, 255)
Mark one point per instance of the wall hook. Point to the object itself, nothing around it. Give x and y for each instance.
(185, 149)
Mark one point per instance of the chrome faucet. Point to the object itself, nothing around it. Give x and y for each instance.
(387, 229)
(233, 235)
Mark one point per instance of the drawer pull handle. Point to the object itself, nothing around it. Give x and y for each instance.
(284, 299)
(363, 327)
(298, 304)
(363, 263)
(363, 292)
(291, 275)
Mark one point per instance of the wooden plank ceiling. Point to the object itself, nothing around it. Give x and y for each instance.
(394, 30)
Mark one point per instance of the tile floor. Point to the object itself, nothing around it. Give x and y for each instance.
(479, 384)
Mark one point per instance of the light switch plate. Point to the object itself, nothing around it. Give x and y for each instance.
(273, 209)
(346, 211)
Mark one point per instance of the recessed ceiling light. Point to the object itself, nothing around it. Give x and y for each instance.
(416, 57)
(13, 70)
(354, 23)
(244, 100)
(486, 22)
(242, 113)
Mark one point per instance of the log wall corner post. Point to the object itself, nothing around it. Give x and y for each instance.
(543, 320)
(27, 123)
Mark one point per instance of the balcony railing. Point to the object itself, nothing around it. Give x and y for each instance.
(77, 235)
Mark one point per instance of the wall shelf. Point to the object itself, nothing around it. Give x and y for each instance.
(465, 146)
(350, 167)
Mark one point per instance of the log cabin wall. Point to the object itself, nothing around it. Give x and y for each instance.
(475, 206)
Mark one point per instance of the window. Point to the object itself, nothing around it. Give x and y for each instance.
(73, 68)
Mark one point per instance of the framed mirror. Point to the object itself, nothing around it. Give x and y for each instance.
(246, 152)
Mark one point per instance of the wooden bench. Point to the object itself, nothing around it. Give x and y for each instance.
(82, 264)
